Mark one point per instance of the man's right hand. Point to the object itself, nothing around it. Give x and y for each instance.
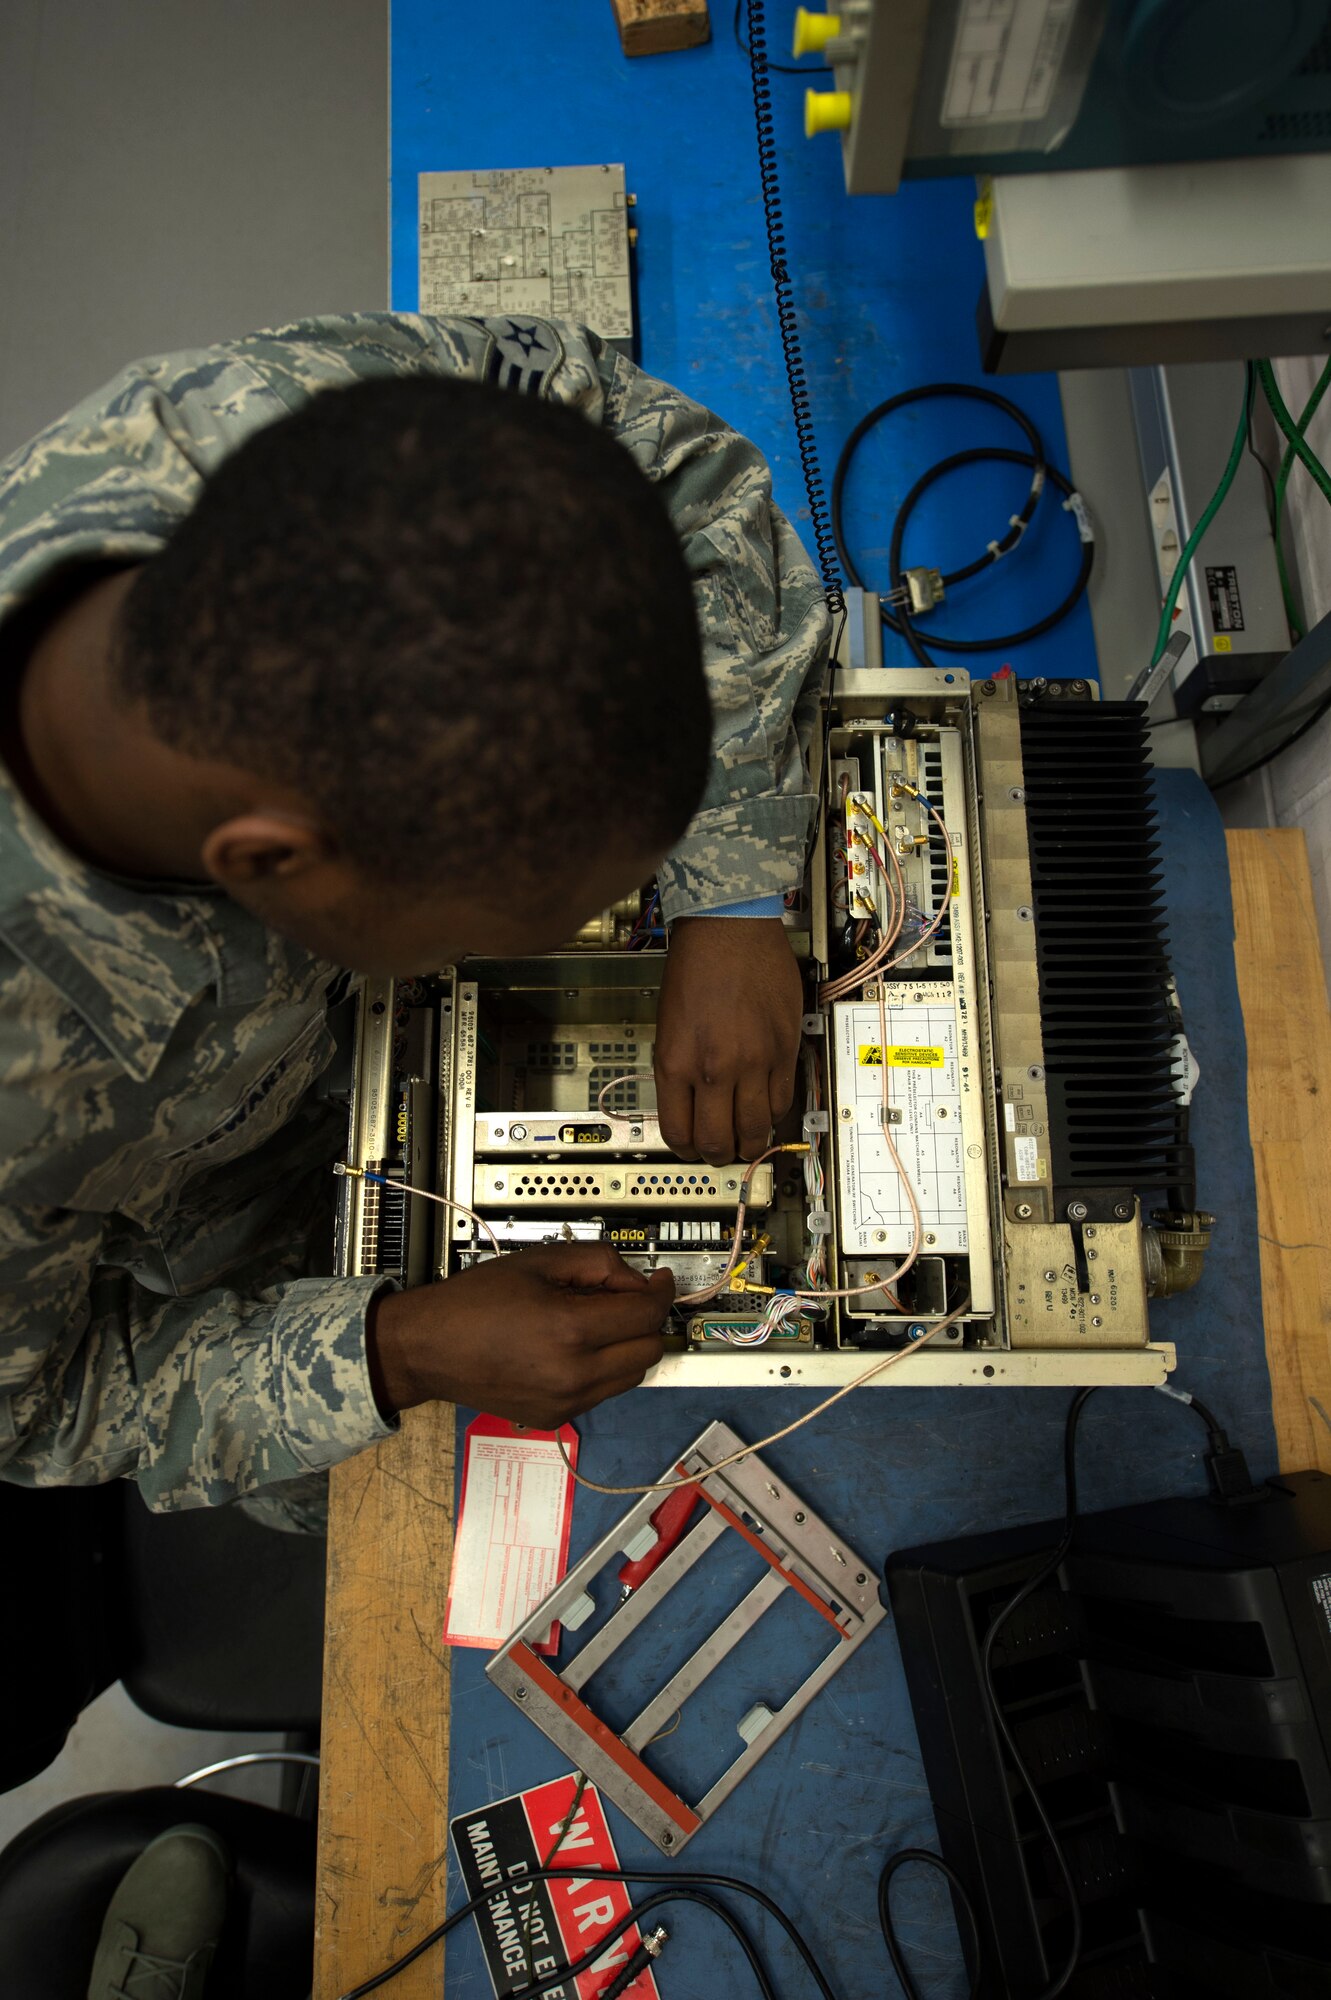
(537, 1337)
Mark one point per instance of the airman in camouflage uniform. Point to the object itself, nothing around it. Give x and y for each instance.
(165, 1151)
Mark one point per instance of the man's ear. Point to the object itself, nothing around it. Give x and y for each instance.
(265, 847)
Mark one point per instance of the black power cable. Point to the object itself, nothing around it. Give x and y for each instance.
(905, 624)
(675, 1887)
(897, 618)
(928, 1859)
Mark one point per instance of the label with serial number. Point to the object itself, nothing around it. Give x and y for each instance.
(1222, 587)
(1006, 60)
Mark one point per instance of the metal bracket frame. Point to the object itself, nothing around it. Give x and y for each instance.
(803, 1554)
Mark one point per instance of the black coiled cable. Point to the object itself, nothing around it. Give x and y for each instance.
(819, 521)
(898, 618)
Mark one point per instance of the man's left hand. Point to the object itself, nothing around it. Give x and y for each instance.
(727, 1036)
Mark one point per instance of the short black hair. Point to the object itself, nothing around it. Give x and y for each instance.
(456, 618)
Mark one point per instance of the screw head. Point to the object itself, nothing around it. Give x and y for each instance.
(1016, 794)
(1123, 1211)
(1024, 1210)
(1025, 914)
(1095, 1298)
(1097, 1321)
(1051, 1277)
(861, 1577)
(799, 1518)
(1077, 1211)
(519, 1694)
(615, 1186)
(880, 1236)
(1036, 1072)
(667, 1839)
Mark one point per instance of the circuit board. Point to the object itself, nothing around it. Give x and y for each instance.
(550, 242)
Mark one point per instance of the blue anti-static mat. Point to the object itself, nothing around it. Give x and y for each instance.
(886, 289)
(891, 1467)
(886, 285)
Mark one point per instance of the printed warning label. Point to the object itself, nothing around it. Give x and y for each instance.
(1222, 587)
(901, 1057)
(530, 1930)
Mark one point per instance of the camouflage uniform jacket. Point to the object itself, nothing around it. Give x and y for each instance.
(162, 1146)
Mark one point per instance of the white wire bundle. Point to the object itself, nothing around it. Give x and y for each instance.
(815, 1181)
(780, 1307)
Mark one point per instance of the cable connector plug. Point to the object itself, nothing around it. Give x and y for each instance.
(650, 1948)
(1227, 1470)
(1226, 1467)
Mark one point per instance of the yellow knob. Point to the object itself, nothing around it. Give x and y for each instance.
(826, 111)
(814, 31)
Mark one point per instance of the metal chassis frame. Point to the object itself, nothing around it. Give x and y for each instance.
(804, 1554)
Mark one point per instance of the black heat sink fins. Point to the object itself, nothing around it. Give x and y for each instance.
(1105, 1007)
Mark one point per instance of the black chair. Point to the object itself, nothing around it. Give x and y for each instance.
(212, 1622)
(58, 1876)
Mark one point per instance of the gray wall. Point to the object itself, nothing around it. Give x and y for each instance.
(176, 171)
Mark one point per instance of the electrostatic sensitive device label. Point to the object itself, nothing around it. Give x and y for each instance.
(529, 1929)
(871, 1057)
(510, 1547)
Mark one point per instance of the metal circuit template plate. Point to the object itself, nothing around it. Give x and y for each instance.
(803, 1554)
(924, 1088)
(547, 241)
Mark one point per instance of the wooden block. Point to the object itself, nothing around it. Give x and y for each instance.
(1282, 986)
(652, 27)
(383, 1785)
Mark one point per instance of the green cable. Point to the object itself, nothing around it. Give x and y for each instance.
(1213, 507)
(1282, 480)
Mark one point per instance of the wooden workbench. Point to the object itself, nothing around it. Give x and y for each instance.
(384, 1785)
(1282, 987)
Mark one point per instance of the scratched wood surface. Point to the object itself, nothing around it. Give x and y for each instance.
(383, 1787)
(1282, 986)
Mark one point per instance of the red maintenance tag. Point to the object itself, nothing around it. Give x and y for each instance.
(529, 1929)
(510, 1547)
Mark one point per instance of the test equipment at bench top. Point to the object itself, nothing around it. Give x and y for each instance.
(991, 1117)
